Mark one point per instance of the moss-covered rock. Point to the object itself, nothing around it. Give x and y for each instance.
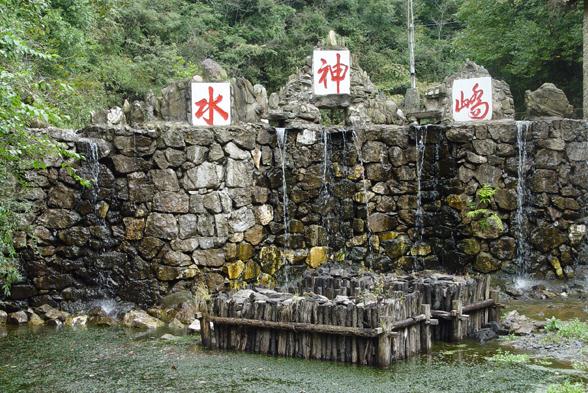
(420, 250)
(390, 235)
(547, 238)
(266, 280)
(270, 259)
(235, 269)
(470, 246)
(244, 251)
(486, 263)
(317, 256)
(397, 247)
(457, 201)
(555, 263)
(252, 271)
(488, 227)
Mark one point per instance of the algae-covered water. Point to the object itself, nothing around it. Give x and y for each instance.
(115, 360)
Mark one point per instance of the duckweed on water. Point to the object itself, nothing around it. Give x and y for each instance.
(567, 387)
(558, 330)
(509, 358)
(112, 360)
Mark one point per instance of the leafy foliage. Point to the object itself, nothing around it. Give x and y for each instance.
(566, 387)
(23, 101)
(567, 330)
(104, 51)
(509, 358)
(526, 42)
(486, 194)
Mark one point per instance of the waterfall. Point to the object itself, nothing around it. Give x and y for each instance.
(357, 144)
(325, 192)
(519, 227)
(421, 140)
(89, 149)
(282, 135)
(325, 157)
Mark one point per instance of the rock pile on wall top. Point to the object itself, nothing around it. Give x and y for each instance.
(249, 102)
(439, 98)
(295, 104)
(547, 101)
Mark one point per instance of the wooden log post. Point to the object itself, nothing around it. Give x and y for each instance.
(426, 342)
(384, 350)
(205, 330)
(495, 310)
(456, 312)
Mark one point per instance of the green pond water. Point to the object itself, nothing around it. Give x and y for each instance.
(117, 360)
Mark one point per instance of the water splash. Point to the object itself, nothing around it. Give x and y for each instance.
(420, 144)
(519, 227)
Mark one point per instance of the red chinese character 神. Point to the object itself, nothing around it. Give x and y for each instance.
(338, 72)
(478, 108)
(210, 106)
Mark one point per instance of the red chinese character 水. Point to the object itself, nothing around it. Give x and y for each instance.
(210, 106)
(477, 107)
(337, 72)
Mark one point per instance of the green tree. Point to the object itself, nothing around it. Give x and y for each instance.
(23, 101)
(525, 42)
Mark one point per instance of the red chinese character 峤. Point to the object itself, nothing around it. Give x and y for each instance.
(210, 106)
(478, 108)
(337, 72)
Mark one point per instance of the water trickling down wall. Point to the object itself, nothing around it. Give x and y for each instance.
(182, 208)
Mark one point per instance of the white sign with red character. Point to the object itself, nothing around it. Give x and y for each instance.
(211, 104)
(331, 70)
(472, 99)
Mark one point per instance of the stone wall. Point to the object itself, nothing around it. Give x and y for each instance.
(555, 180)
(177, 207)
(170, 203)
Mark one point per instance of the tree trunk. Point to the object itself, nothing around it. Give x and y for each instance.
(585, 60)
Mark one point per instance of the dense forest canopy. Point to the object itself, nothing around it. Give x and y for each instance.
(98, 52)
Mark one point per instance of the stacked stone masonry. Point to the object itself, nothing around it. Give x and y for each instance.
(177, 207)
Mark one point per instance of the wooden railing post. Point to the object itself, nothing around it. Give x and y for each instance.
(456, 313)
(205, 335)
(495, 310)
(384, 349)
(426, 342)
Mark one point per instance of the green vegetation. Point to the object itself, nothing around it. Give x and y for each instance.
(486, 194)
(110, 360)
(509, 358)
(566, 387)
(566, 330)
(480, 213)
(103, 51)
(24, 100)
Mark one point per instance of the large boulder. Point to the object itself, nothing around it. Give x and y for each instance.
(548, 101)
(142, 320)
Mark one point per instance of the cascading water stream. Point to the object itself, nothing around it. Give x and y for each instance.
(325, 192)
(282, 137)
(90, 153)
(519, 227)
(357, 144)
(421, 140)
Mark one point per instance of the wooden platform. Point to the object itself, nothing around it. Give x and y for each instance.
(363, 329)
